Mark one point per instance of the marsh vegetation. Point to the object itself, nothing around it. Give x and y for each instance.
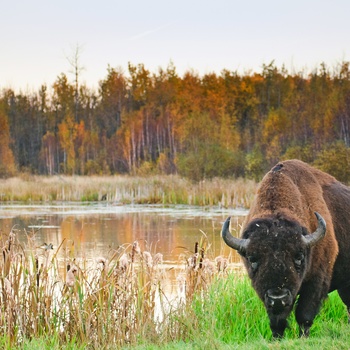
(119, 301)
(113, 301)
(160, 189)
(54, 299)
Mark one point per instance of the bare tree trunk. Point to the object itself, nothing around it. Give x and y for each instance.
(74, 61)
(133, 147)
(158, 139)
(345, 129)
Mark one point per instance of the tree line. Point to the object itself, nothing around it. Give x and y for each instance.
(140, 122)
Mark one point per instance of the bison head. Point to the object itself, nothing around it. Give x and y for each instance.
(276, 253)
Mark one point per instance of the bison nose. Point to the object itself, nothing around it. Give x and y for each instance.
(278, 298)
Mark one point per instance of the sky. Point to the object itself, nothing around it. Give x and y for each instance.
(38, 37)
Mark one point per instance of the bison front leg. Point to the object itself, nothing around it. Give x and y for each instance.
(278, 326)
(344, 294)
(308, 306)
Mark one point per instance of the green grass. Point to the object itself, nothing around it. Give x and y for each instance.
(233, 317)
(232, 312)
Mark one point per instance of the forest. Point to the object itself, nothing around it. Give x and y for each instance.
(215, 125)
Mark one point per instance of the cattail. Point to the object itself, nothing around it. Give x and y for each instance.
(8, 287)
(11, 239)
(158, 259)
(135, 250)
(71, 276)
(208, 266)
(192, 261)
(201, 258)
(124, 262)
(148, 259)
(103, 262)
(221, 263)
(38, 271)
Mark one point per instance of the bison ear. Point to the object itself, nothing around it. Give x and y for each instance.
(304, 231)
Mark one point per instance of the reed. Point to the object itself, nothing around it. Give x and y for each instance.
(113, 301)
(157, 189)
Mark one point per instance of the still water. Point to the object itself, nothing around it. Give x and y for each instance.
(98, 230)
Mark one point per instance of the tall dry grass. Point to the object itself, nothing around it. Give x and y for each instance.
(162, 189)
(107, 303)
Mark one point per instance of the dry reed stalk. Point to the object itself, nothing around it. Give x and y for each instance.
(161, 189)
(115, 300)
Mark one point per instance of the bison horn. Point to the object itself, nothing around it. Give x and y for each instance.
(233, 242)
(313, 238)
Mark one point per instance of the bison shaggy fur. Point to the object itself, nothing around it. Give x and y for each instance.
(293, 258)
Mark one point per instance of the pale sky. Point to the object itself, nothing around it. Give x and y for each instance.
(36, 36)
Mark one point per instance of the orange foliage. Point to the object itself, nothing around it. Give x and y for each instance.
(219, 124)
(7, 161)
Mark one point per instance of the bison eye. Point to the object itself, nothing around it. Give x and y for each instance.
(253, 261)
(299, 259)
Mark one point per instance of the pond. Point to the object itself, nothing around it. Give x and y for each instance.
(96, 230)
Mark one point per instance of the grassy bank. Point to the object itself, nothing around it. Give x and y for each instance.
(232, 317)
(169, 189)
(51, 300)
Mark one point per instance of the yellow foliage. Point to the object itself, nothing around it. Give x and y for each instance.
(7, 161)
(277, 124)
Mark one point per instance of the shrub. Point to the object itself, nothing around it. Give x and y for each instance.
(335, 160)
(209, 161)
(255, 164)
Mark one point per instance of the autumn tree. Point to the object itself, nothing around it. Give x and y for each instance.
(27, 126)
(335, 160)
(63, 99)
(7, 161)
(76, 69)
(113, 99)
(138, 88)
(203, 155)
(139, 122)
(63, 102)
(337, 120)
(67, 133)
(48, 154)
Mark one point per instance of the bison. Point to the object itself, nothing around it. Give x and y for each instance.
(295, 243)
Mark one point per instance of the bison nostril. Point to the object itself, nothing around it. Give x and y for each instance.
(270, 302)
(276, 298)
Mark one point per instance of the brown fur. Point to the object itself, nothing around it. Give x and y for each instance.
(283, 211)
(296, 192)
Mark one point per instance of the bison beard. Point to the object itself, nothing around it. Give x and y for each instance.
(289, 256)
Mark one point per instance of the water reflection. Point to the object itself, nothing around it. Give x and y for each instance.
(97, 230)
